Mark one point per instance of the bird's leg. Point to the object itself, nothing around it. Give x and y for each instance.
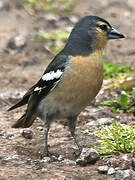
(46, 130)
(46, 152)
(72, 126)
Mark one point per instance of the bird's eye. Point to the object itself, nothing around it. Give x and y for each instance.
(103, 27)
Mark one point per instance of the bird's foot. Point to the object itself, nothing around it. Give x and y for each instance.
(50, 155)
(79, 147)
(78, 152)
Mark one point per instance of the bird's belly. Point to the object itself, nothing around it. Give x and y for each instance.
(77, 88)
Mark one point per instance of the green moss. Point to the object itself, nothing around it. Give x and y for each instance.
(117, 138)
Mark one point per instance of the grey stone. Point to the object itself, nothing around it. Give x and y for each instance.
(112, 162)
(69, 162)
(74, 19)
(60, 158)
(36, 162)
(9, 135)
(101, 121)
(92, 123)
(16, 42)
(40, 128)
(125, 162)
(103, 169)
(27, 133)
(29, 161)
(46, 159)
(88, 156)
(111, 171)
(123, 174)
(104, 121)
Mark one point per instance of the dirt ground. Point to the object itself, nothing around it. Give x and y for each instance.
(21, 67)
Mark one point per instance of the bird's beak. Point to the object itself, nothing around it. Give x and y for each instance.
(114, 34)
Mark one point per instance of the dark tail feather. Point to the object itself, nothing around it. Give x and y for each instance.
(24, 122)
(20, 103)
(19, 122)
(28, 118)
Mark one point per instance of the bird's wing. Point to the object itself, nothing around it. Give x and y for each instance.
(48, 81)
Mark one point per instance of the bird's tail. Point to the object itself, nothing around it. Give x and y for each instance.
(28, 118)
(19, 104)
(24, 121)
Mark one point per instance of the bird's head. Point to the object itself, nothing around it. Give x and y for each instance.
(89, 34)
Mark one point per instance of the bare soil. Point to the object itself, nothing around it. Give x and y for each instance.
(21, 68)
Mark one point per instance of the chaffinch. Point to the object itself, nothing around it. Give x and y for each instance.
(72, 80)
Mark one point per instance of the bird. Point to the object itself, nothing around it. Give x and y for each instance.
(71, 80)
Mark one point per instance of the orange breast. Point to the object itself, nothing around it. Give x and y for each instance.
(81, 81)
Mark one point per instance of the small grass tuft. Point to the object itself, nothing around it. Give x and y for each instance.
(115, 139)
(125, 103)
(111, 70)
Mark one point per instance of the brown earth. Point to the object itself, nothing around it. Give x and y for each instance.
(21, 68)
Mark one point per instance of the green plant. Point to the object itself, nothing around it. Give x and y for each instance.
(117, 138)
(112, 70)
(125, 103)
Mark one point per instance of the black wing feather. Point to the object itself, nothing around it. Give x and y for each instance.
(59, 62)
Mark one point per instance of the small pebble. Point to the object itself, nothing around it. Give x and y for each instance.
(123, 174)
(112, 162)
(27, 133)
(92, 123)
(111, 171)
(101, 121)
(29, 161)
(74, 19)
(40, 128)
(104, 121)
(16, 42)
(103, 169)
(69, 162)
(36, 162)
(46, 159)
(88, 156)
(60, 158)
(125, 162)
(9, 136)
